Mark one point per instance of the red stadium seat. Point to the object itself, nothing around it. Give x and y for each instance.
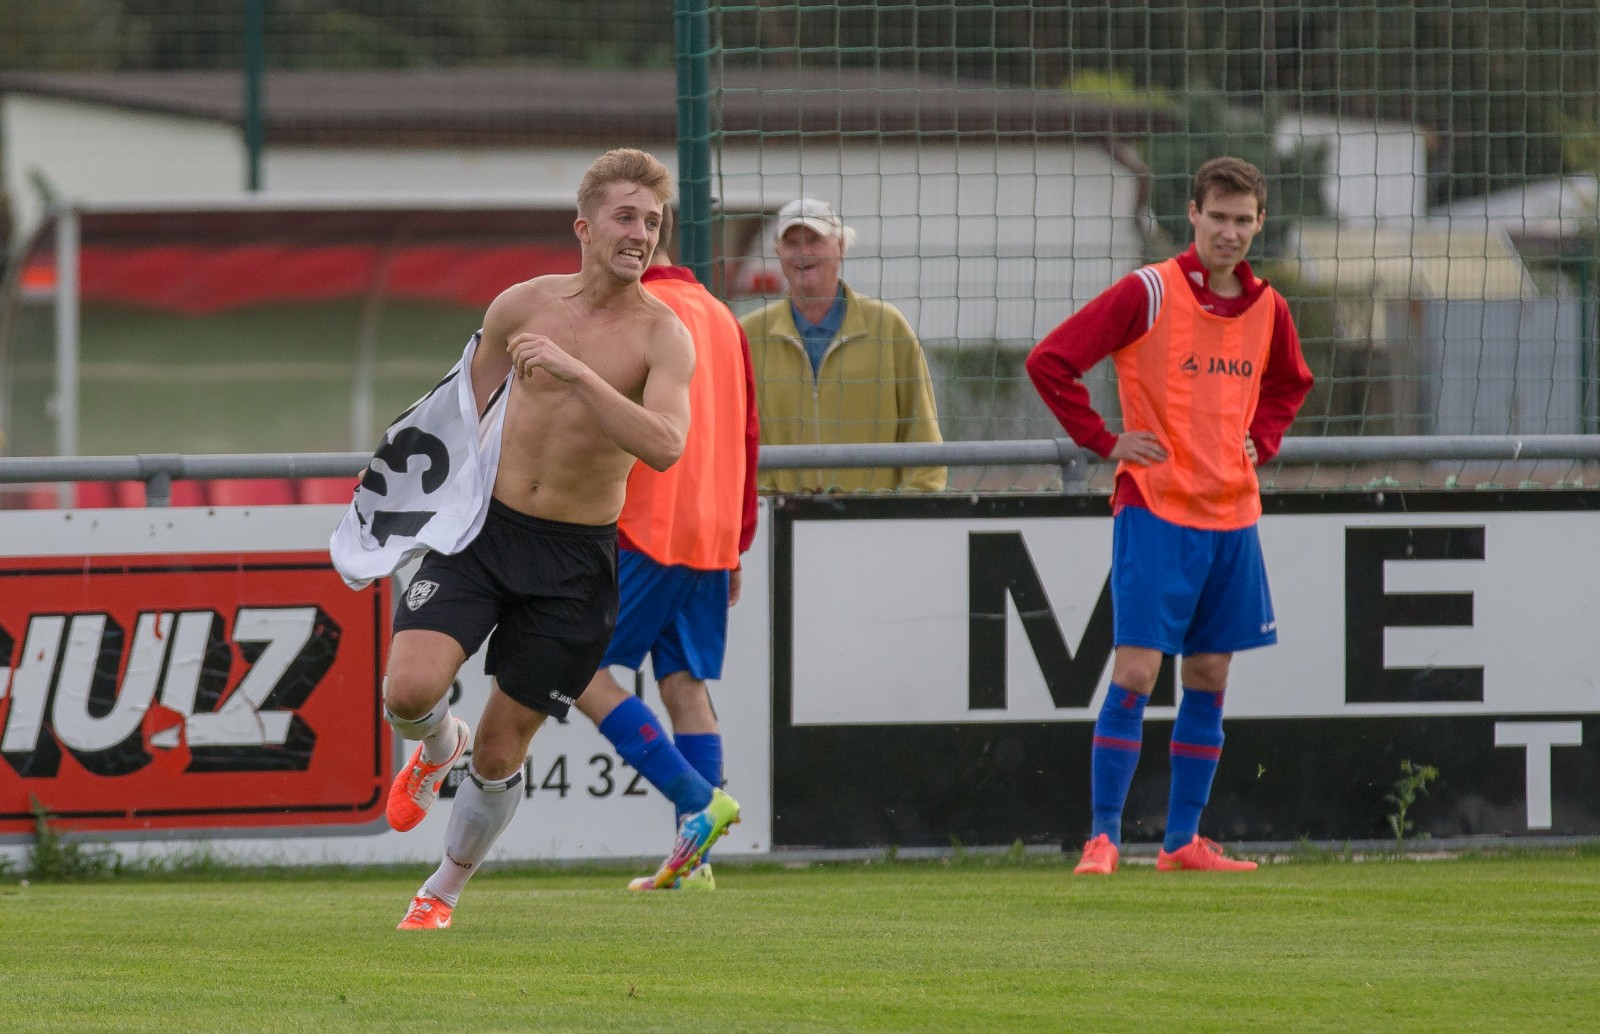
(250, 492)
(326, 490)
(137, 494)
(129, 493)
(30, 497)
(96, 495)
(188, 493)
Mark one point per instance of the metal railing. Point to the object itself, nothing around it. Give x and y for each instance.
(158, 471)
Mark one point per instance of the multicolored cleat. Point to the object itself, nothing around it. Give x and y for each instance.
(696, 833)
(1200, 855)
(1099, 857)
(699, 879)
(416, 786)
(426, 913)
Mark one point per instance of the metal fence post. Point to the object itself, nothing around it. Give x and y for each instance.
(693, 40)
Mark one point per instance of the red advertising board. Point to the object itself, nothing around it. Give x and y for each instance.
(190, 691)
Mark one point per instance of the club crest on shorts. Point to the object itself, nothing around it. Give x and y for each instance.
(419, 593)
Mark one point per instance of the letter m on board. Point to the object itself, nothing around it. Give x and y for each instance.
(998, 565)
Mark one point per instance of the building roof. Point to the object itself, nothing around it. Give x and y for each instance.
(520, 105)
(1549, 209)
(1368, 260)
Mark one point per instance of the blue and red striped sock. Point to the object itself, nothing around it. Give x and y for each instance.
(1117, 734)
(641, 741)
(1196, 749)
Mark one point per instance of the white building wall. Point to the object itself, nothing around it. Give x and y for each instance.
(547, 174)
(107, 154)
(1375, 170)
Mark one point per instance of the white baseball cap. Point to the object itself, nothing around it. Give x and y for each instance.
(818, 215)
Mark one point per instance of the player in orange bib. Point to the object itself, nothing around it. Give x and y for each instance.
(1210, 375)
(679, 538)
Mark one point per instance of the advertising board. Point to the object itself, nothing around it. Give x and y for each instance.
(939, 664)
(201, 677)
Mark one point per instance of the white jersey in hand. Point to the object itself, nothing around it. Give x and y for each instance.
(429, 483)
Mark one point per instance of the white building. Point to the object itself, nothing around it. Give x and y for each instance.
(1376, 170)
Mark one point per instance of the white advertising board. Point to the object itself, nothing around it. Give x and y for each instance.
(883, 607)
(939, 665)
(581, 802)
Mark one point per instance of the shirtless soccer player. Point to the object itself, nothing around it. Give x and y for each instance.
(602, 374)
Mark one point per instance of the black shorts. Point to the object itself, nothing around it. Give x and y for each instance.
(547, 589)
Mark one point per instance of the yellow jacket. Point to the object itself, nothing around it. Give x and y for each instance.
(873, 387)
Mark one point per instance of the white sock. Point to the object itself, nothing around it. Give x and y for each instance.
(440, 742)
(418, 728)
(481, 812)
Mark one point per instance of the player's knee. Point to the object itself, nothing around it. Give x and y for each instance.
(688, 703)
(1208, 672)
(1136, 668)
(679, 693)
(422, 667)
(600, 697)
(496, 757)
(412, 695)
(1140, 678)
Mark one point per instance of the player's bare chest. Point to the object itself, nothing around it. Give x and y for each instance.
(615, 351)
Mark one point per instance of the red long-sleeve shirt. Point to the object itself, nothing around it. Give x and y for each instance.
(1122, 314)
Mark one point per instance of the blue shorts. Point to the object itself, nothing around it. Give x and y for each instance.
(678, 615)
(1187, 591)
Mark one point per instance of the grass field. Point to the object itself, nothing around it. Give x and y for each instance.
(1502, 943)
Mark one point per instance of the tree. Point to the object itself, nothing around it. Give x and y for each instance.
(66, 35)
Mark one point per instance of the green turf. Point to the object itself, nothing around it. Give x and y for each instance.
(1504, 943)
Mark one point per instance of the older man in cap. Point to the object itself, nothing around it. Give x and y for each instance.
(834, 366)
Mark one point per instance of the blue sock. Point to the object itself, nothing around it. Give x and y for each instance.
(638, 736)
(1117, 733)
(703, 751)
(1196, 748)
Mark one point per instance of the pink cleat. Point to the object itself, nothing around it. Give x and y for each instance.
(1099, 857)
(1200, 855)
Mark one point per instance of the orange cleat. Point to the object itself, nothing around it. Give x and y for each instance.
(1200, 855)
(426, 913)
(1099, 857)
(416, 787)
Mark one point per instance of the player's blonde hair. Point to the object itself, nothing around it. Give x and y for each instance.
(623, 165)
